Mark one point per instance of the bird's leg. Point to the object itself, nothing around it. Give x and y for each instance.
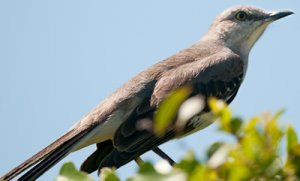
(138, 161)
(163, 155)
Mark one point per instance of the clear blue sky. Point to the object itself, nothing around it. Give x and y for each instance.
(58, 59)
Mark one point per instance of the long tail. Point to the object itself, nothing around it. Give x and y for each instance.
(47, 157)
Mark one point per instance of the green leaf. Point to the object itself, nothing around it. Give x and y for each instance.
(108, 174)
(68, 172)
(188, 163)
(147, 173)
(220, 108)
(291, 138)
(217, 106)
(146, 167)
(235, 125)
(213, 148)
(168, 108)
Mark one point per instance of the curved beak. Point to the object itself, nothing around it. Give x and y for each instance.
(278, 15)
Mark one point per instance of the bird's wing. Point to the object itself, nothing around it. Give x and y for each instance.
(216, 75)
(213, 73)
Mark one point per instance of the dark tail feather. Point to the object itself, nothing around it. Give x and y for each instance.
(46, 157)
(93, 161)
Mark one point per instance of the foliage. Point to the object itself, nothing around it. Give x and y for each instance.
(254, 155)
(70, 173)
(168, 109)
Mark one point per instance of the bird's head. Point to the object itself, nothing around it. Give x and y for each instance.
(240, 27)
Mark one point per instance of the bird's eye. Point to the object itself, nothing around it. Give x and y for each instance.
(241, 16)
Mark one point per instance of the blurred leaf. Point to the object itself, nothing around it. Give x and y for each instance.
(108, 174)
(227, 123)
(219, 108)
(292, 166)
(278, 114)
(148, 173)
(216, 105)
(291, 139)
(146, 167)
(251, 124)
(236, 125)
(213, 148)
(188, 163)
(272, 132)
(219, 157)
(68, 172)
(168, 108)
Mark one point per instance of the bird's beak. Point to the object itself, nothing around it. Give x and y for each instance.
(277, 15)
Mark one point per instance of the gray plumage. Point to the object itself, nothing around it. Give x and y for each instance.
(214, 66)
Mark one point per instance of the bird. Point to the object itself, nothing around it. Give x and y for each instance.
(214, 66)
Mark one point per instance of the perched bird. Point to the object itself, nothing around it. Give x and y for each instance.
(214, 66)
